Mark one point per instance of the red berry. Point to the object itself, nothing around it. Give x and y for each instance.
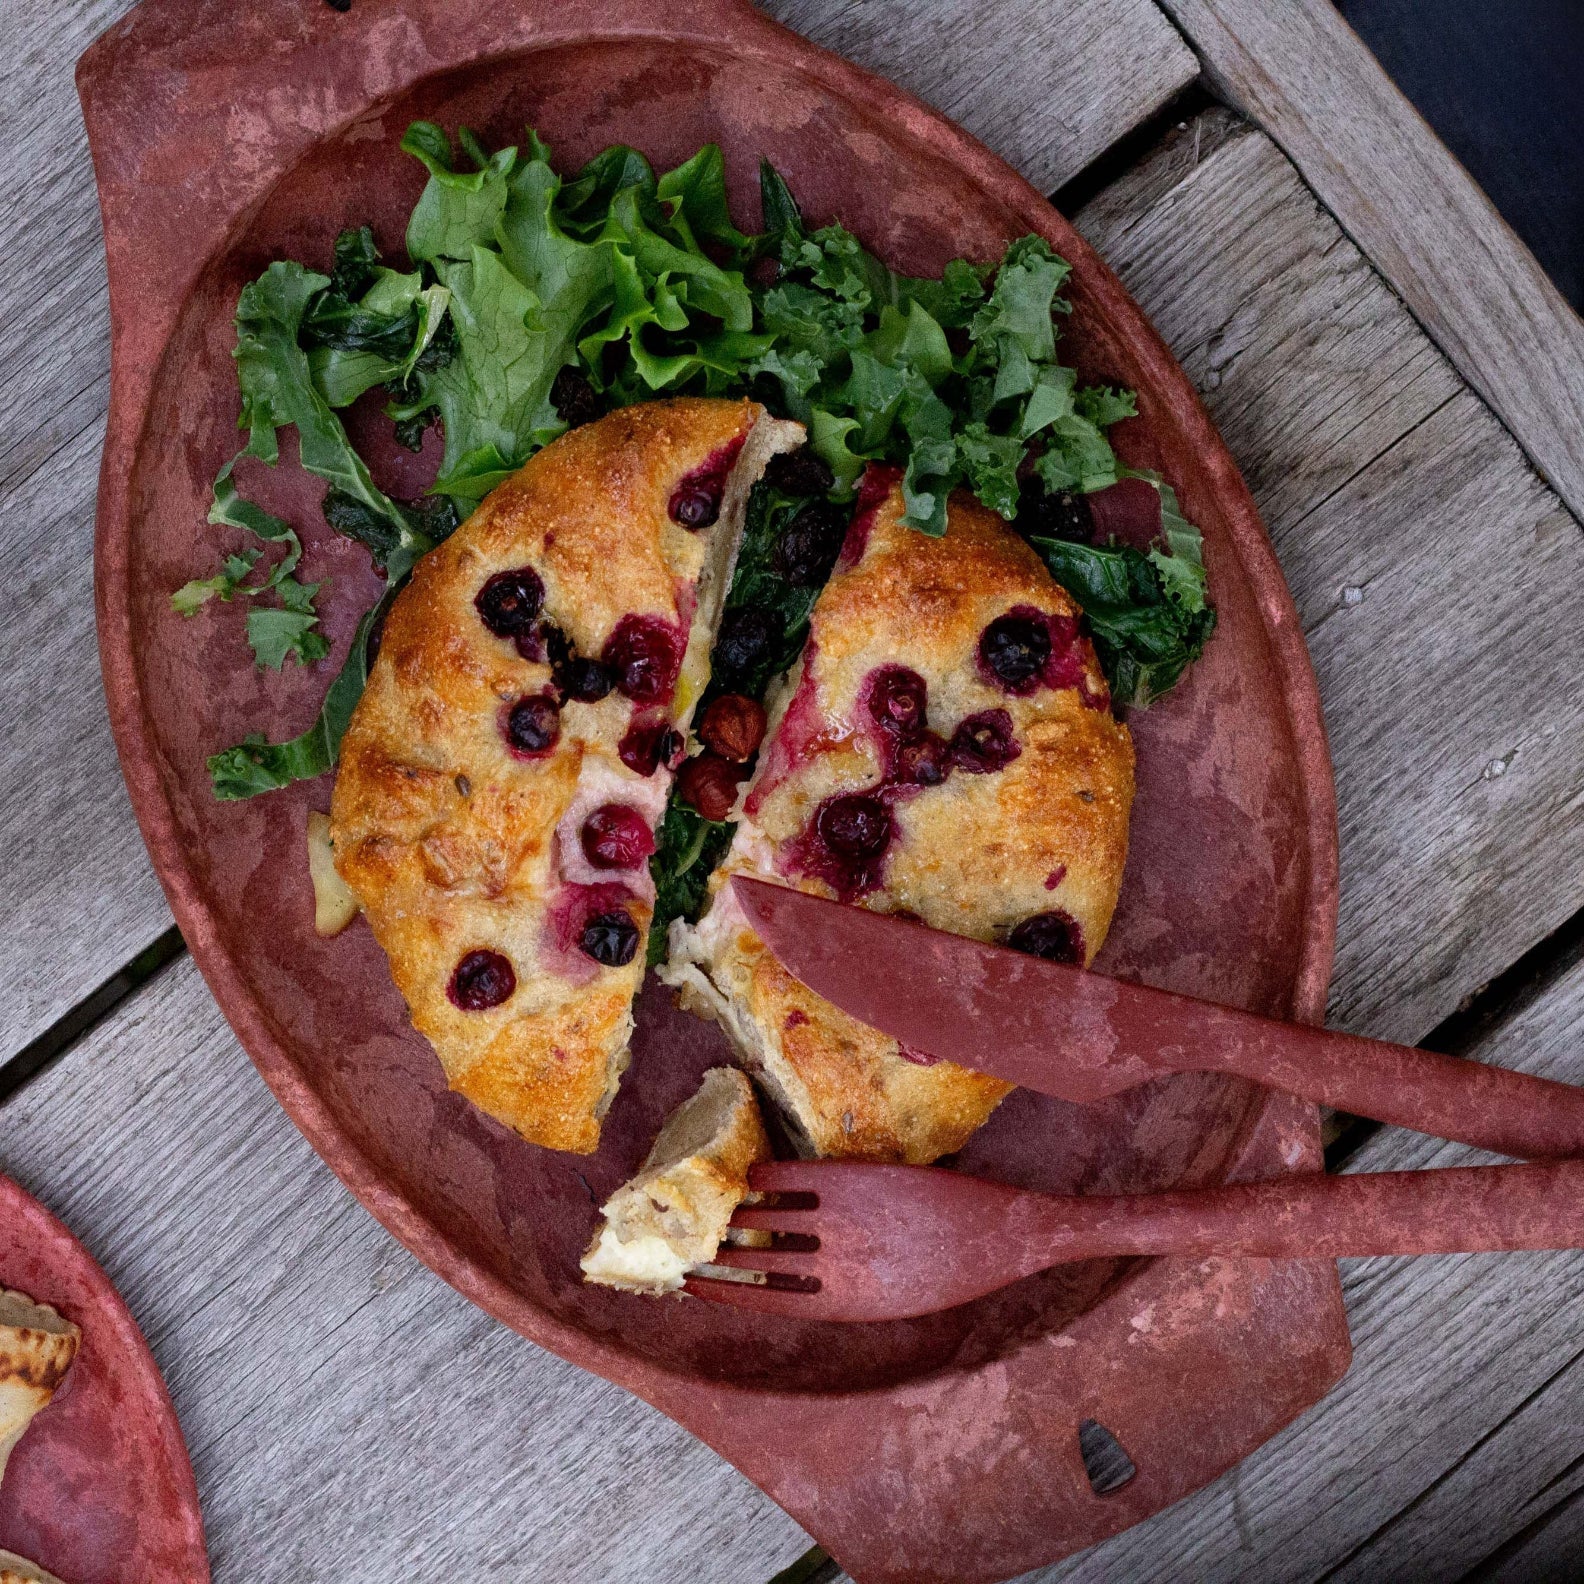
(509, 601)
(1056, 936)
(611, 939)
(483, 979)
(616, 836)
(984, 743)
(533, 726)
(645, 654)
(856, 827)
(1014, 650)
(897, 699)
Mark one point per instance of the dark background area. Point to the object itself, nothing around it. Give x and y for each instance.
(1502, 82)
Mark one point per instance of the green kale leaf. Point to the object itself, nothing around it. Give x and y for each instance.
(1148, 610)
(687, 849)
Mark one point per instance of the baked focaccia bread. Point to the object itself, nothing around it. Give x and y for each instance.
(945, 749)
(502, 777)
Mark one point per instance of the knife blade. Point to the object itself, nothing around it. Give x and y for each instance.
(1083, 1036)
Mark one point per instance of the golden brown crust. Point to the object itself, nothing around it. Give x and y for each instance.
(449, 840)
(975, 855)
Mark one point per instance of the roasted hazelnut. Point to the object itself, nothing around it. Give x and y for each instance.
(709, 784)
(733, 726)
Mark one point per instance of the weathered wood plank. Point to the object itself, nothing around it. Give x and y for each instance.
(81, 899)
(1456, 1429)
(1441, 585)
(1549, 1551)
(1308, 79)
(346, 1411)
(1048, 84)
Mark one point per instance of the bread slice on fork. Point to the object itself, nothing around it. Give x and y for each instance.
(672, 1217)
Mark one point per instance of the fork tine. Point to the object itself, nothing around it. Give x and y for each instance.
(771, 1218)
(752, 1295)
(791, 1262)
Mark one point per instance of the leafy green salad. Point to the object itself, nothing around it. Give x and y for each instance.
(532, 302)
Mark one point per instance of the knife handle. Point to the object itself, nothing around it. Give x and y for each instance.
(1456, 1210)
(1494, 1108)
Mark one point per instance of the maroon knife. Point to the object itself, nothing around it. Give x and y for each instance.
(1082, 1036)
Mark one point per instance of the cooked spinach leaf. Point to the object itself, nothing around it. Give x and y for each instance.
(1147, 610)
(687, 849)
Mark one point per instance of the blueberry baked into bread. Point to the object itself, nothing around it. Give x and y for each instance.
(503, 774)
(946, 750)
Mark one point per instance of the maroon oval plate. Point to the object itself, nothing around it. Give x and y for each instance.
(223, 138)
(99, 1490)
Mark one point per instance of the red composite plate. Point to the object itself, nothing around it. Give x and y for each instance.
(939, 1449)
(99, 1490)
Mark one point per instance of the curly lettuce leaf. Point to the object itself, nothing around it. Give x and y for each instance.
(699, 216)
(457, 210)
(641, 284)
(1148, 610)
(256, 765)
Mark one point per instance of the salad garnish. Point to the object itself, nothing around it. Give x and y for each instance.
(533, 302)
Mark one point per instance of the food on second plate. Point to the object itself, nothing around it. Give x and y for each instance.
(37, 1346)
(504, 772)
(946, 750)
(672, 1217)
(18, 1570)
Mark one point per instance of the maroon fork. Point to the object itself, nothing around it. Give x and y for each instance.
(863, 1242)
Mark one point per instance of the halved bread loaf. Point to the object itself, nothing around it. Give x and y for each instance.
(672, 1216)
(502, 776)
(945, 749)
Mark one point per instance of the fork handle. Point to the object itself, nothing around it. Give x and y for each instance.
(1450, 1097)
(1460, 1209)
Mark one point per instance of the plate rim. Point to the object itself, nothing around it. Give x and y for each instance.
(731, 26)
(62, 1248)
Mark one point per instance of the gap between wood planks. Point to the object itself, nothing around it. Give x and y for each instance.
(1477, 1017)
(92, 1010)
(1513, 1542)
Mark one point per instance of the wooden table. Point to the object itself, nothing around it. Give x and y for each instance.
(1405, 394)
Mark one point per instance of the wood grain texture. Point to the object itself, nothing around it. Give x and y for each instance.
(1454, 1436)
(1441, 585)
(1048, 84)
(347, 1412)
(1300, 71)
(80, 896)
